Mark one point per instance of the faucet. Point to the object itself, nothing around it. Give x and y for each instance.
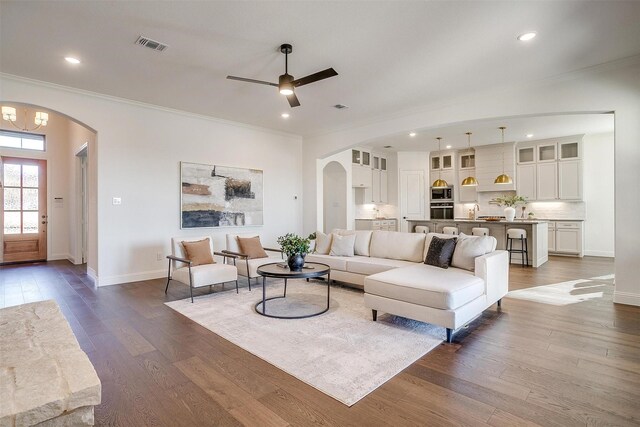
(476, 208)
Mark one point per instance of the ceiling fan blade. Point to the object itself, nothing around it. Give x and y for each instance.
(320, 75)
(242, 79)
(293, 100)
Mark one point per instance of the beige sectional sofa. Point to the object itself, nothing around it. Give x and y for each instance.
(390, 267)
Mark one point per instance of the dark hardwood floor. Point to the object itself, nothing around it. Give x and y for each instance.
(527, 364)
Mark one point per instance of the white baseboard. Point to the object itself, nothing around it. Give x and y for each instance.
(606, 254)
(92, 274)
(57, 257)
(626, 298)
(133, 277)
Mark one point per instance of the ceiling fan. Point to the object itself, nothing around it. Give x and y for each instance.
(286, 83)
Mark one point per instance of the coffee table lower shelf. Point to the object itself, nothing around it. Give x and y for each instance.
(273, 270)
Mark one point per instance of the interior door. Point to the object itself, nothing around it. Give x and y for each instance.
(24, 209)
(411, 197)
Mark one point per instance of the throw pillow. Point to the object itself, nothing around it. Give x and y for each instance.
(198, 252)
(468, 248)
(252, 247)
(323, 243)
(440, 252)
(342, 245)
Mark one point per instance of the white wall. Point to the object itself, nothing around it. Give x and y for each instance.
(139, 148)
(609, 87)
(598, 165)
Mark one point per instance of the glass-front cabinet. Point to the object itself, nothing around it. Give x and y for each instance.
(547, 153)
(526, 155)
(569, 150)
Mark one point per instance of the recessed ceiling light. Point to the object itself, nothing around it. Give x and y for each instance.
(529, 135)
(284, 115)
(72, 60)
(412, 134)
(527, 36)
(448, 146)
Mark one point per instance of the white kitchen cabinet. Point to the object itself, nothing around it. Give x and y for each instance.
(526, 155)
(570, 180)
(376, 187)
(384, 187)
(547, 153)
(567, 238)
(568, 241)
(442, 160)
(377, 224)
(547, 181)
(361, 177)
(569, 151)
(526, 182)
(552, 237)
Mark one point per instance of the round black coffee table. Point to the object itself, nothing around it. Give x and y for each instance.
(280, 270)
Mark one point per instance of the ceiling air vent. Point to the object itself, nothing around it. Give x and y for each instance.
(340, 106)
(151, 44)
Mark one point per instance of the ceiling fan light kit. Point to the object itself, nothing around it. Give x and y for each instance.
(286, 82)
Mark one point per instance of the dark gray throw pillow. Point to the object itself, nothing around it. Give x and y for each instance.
(440, 252)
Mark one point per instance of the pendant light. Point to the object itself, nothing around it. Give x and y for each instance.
(503, 178)
(440, 183)
(469, 181)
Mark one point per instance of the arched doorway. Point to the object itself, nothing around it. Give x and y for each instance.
(67, 209)
(334, 179)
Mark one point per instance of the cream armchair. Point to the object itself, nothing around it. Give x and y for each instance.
(200, 275)
(246, 266)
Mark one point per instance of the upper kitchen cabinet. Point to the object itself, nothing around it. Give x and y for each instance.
(442, 160)
(489, 164)
(550, 169)
(361, 157)
(570, 150)
(466, 167)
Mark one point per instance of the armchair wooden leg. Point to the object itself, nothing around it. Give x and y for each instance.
(500, 302)
(248, 275)
(236, 286)
(191, 291)
(374, 313)
(167, 287)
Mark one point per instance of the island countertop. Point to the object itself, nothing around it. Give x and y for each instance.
(503, 221)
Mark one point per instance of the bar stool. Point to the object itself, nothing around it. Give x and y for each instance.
(518, 234)
(479, 231)
(422, 229)
(450, 230)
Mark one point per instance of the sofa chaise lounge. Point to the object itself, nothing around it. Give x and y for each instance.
(390, 267)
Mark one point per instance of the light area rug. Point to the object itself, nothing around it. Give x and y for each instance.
(342, 352)
(565, 293)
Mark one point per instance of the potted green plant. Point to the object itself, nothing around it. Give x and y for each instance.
(510, 201)
(296, 248)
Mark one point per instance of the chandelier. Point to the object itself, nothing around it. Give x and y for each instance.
(9, 114)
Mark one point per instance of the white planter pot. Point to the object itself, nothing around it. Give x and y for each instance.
(509, 213)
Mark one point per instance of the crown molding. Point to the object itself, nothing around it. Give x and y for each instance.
(69, 89)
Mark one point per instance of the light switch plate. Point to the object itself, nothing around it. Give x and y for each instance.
(117, 201)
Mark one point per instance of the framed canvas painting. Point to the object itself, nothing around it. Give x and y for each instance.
(220, 196)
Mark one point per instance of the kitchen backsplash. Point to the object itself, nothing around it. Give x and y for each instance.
(368, 211)
(542, 210)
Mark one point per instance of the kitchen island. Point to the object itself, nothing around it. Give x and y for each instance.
(537, 234)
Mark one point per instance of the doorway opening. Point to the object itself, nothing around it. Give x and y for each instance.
(334, 178)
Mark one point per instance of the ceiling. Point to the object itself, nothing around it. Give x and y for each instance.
(390, 55)
(485, 132)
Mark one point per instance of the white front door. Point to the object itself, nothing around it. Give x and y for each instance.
(411, 197)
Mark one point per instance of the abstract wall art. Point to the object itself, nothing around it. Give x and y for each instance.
(220, 196)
